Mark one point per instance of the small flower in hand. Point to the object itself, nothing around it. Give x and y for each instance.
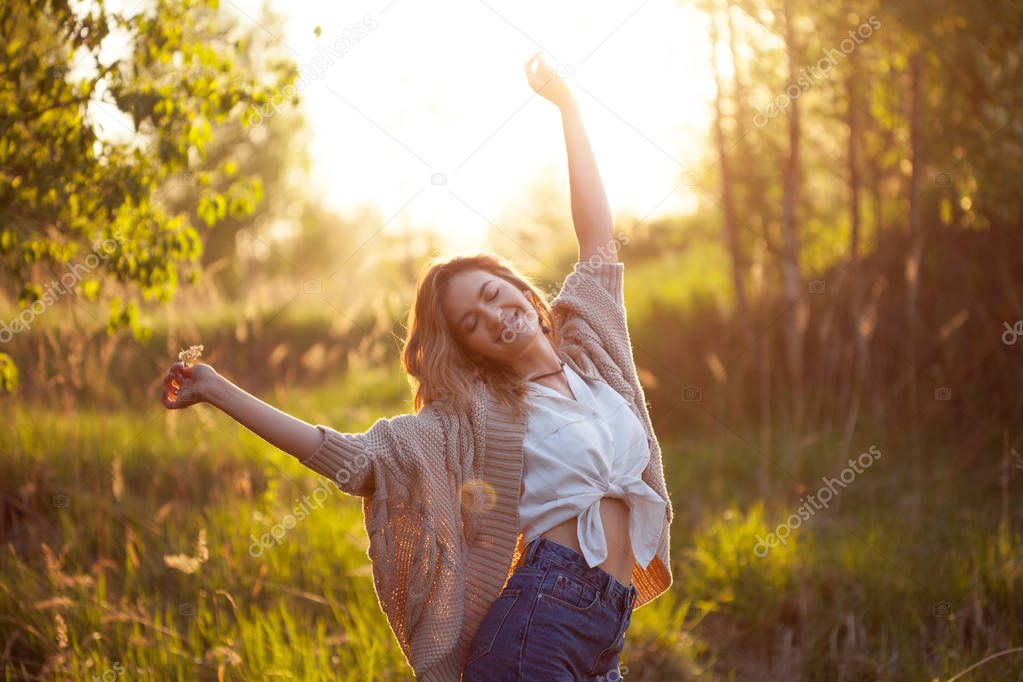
(188, 382)
(191, 355)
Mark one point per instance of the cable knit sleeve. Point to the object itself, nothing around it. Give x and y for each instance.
(395, 447)
(405, 468)
(607, 274)
(591, 304)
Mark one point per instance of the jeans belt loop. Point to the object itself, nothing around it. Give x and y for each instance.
(534, 545)
(605, 597)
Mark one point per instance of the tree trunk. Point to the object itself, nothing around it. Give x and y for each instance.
(796, 311)
(852, 120)
(916, 242)
(857, 382)
(727, 189)
(761, 259)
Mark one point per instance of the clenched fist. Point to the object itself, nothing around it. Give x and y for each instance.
(186, 386)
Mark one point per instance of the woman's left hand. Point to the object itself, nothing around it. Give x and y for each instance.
(186, 386)
(546, 82)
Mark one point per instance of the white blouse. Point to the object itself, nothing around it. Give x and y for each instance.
(578, 451)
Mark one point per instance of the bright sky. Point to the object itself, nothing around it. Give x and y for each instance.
(439, 88)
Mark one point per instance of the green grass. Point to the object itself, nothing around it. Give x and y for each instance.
(302, 609)
(855, 594)
(862, 590)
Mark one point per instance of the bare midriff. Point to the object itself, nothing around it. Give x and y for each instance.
(614, 514)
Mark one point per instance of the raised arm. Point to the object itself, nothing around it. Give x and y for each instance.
(591, 215)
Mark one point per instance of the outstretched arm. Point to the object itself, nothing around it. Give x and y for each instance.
(591, 215)
(186, 386)
(398, 447)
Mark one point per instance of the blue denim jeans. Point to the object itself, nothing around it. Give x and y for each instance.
(556, 620)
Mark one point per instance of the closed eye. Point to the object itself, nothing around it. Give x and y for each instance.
(490, 298)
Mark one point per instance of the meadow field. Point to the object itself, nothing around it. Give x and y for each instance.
(131, 549)
(817, 205)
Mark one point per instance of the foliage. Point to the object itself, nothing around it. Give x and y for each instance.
(81, 209)
(724, 571)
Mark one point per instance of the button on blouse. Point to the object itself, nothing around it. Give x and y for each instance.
(579, 451)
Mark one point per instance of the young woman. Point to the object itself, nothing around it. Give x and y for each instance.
(589, 520)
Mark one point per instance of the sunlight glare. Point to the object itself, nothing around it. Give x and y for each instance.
(427, 114)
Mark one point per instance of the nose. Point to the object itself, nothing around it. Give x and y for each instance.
(494, 319)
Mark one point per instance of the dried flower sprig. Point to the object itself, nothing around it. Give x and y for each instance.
(190, 564)
(61, 631)
(191, 355)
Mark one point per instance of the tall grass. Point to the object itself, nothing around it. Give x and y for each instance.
(94, 553)
(863, 590)
(126, 533)
(94, 504)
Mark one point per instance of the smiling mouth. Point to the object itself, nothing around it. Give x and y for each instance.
(511, 324)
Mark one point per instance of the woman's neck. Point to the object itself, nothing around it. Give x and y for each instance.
(539, 359)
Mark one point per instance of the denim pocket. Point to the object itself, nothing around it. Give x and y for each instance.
(570, 591)
(491, 625)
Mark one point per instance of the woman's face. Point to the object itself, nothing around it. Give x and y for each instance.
(489, 315)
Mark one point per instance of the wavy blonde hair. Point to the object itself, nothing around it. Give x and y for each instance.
(439, 365)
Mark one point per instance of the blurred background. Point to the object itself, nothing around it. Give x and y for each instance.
(824, 274)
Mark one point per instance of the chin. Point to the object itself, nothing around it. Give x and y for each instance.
(521, 341)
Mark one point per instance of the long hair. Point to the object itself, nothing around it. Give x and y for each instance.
(439, 365)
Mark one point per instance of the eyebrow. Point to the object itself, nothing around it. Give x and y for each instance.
(478, 295)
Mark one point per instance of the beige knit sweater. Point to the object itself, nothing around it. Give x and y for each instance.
(441, 490)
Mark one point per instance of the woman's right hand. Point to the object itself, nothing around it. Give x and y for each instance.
(186, 386)
(546, 82)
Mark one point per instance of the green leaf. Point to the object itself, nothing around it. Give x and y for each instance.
(30, 293)
(90, 289)
(8, 374)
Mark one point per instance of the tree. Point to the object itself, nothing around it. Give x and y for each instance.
(730, 227)
(796, 310)
(81, 213)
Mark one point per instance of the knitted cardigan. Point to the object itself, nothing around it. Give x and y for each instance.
(440, 489)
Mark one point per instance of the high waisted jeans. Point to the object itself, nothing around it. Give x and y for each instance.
(556, 620)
